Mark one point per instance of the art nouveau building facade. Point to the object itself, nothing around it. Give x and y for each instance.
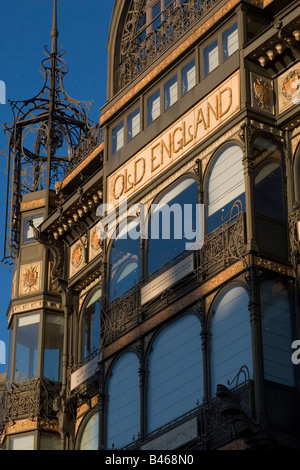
(141, 342)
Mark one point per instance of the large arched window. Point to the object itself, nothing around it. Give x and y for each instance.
(123, 410)
(270, 212)
(225, 185)
(174, 222)
(124, 268)
(89, 434)
(91, 323)
(230, 346)
(175, 372)
(276, 320)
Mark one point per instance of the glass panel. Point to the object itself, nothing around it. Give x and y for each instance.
(173, 223)
(230, 347)
(118, 137)
(230, 41)
(276, 319)
(269, 199)
(91, 324)
(22, 442)
(175, 372)
(171, 94)
(225, 186)
(50, 442)
(27, 348)
(90, 436)
(156, 10)
(28, 231)
(53, 346)
(124, 260)
(211, 57)
(133, 124)
(123, 417)
(153, 106)
(188, 77)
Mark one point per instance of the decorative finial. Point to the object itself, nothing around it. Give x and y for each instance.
(54, 31)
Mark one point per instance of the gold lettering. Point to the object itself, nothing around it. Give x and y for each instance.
(200, 119)
(153, 158)
(138, 179)
(117, 196)
(179, 142)
(223, 112)
(215, 110)
(127, 180)
(190, 134)
(167, 147)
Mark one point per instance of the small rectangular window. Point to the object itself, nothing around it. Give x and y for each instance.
(28, 235)
(118, 137)
(153, 106)
(230, 41)
(156, 11)
(25, 442)
(211, 57)
(188, 77)
(133, 124)
(171, 93)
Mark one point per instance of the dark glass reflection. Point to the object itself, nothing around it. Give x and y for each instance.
(269, 200)
(173, 224)
(53, 347)
(91, 324)
(124, 260)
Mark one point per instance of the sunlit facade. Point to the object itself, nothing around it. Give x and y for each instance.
(155, 295)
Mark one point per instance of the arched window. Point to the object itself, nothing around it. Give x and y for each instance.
(225, 185)
(175, 372)
(276, 320)
(124, 269)
(123, 411)
(230, 346)
(91, 323)
(270, 212)
(89, 433)
(173, 223)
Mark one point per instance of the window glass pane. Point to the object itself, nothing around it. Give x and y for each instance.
(276, 322)
(90, 436)
(230, 41)
(156, 10)
(27, 348)
(50, 442)
(230, 337)
(171, 94)
(269, 199)
(123, 416)
(173, 223)
(22, 442)
(28, 231)
(175, 372)
(188, 77)
(118, 137)
(211, 57)
(53, 347)
(225, 186)
(91, 324)
(124, 260)
(133, 124)
(153, 106)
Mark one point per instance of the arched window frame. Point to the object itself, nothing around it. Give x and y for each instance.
(109, 250)
(186, 175)
(207, 174)
(219, 295)
(108, 376)
(85, 420)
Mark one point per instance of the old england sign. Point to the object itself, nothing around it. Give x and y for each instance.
(176, 141)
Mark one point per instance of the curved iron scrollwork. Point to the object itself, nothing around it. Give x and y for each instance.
(143, 42)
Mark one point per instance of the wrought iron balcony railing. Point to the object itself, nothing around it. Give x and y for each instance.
(174, 21)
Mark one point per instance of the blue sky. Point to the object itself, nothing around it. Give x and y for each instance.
(25, 27)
